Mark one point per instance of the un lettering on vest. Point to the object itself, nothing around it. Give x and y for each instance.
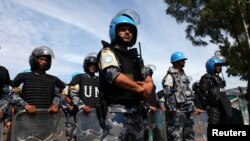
(89, 90)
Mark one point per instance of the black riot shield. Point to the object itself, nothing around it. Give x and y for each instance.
(1, 130)
(88, 127)
(41, 126)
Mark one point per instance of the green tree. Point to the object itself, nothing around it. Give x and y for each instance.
(219, 22)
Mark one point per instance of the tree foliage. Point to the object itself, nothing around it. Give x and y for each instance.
(218, 22)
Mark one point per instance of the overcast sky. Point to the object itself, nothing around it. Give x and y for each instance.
(75, 28)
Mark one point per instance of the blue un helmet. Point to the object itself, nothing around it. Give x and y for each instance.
(177, 56)
(211, 63)
(126, 16)
(75, 74)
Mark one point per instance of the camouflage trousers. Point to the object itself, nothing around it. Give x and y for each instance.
(180, 127)
(123, 124)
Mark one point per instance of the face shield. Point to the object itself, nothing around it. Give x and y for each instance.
(152, 67)
(43, 51)
(91, 54)
(129, 13)
(218, 55)
(148, 70)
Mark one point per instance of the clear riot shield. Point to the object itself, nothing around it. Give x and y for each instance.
(88, 127)
(1, 130)
(149, 125)
(239, 105)
(200, 126)
(240, 111)
(41, 126)
(160, 132)
(156, 131)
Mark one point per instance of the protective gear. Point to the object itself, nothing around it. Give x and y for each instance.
(35, 89)
(75, 74)
(148, 70)
(179, 95)
(4, 77)
(212, 86)
(177, 56)
(129, 65)
(26, 70)
(90, 59)
(89, 128)
(195, 85)
(200, 99)
(218, 55)
(216, 116)
(211, 63)
(123, 120)
(124, 17)
(40, 51)
(88, 90)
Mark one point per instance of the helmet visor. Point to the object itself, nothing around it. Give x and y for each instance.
(44, 51)
(153, 67)
(129, 13)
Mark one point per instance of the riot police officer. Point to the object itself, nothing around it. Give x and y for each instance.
(200, 99)
(4, 90)
(121, 81)
(155, 130)
(4, 103)
(179, 100)
(212, 86)
(84, 89)
(153, 99)
(39, 89)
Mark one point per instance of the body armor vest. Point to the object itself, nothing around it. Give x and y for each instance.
(130, 66)
(214, 91)
(183, 95)
(38, 90)
(4, 77)
(89, 92)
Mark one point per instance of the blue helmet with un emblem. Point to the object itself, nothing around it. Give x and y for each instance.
(210, 64)
(75, 74)
(177, 56)
(128, 17)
